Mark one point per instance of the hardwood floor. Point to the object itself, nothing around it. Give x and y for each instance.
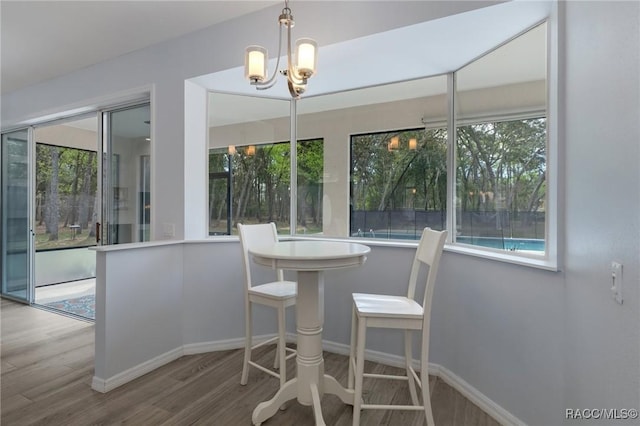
(47, 367)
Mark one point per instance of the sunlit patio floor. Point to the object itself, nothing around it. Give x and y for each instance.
(69, 290)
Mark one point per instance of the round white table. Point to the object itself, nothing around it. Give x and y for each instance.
(310, 259)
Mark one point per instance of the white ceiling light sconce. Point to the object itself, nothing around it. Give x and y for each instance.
(300, 67)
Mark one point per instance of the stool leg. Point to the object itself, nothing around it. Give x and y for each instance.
(352, 349)
(408, 357)
(357, 397)
(282, 345)
(247, 343)
(424, 378)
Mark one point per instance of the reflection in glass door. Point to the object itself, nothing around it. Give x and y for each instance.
(126, 190)
(65, 214)
(16, 234)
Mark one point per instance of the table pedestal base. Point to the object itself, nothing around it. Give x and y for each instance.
(311, 382)
(289, 391)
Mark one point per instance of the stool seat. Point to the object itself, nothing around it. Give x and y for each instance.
(277, 290)
(386, 306)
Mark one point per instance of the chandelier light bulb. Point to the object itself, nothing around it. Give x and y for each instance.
(306, 57)
(255, 63)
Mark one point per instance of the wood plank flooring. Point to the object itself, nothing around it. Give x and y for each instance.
(47, 367)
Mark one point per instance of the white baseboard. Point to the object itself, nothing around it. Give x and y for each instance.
(105, 385)
(498, 413)
(220, 345)
(501, 415)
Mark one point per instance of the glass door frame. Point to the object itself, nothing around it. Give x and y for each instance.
(30, 194)
(103, 185)
(105, 169)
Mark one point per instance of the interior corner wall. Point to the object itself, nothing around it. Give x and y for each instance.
(601, 93)
(536, 342)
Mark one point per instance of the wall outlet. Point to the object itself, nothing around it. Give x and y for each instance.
(616, 281)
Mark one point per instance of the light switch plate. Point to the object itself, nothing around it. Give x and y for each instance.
(168, 229)
(616, 277)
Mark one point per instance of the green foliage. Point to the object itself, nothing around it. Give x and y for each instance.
(402, 178)
(261, 185)
(500, 178)
(502, 165)
(72, 163)
(74, 177)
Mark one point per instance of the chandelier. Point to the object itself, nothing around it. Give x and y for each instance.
(299, 67)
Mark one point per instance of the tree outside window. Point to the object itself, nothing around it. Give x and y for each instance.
(398, 183)
(255, 181)
(501, 184)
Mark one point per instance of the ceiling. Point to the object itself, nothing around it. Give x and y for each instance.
(502, 54)
(433, 47)
(40, 40)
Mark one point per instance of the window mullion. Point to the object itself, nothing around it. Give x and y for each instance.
(293, 212)
(451, 157)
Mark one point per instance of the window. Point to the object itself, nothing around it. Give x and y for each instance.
(465, 151)
(251, 184)
(368, 180)
(501, 184)
(501, 148)
(399, 177)
(249, 166)
(398, 183)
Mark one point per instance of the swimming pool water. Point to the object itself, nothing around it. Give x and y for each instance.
(511, 244)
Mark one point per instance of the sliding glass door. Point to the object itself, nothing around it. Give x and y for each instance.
(16, 234)
(66, 201)
(126, 175)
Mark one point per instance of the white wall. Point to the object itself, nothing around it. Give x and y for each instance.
(602, 132)
(138, 309)
(533, 341)
(539, 342)
(214, 282)
(68, 136)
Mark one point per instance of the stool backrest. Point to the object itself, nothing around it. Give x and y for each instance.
(428, 254)
(252, 236)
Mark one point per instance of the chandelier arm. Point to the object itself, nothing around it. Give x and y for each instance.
(266, 85)
(272, 80)
(291, 73)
